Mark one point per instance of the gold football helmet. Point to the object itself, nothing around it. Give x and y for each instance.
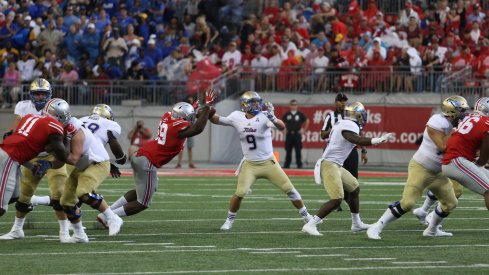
(454, 107)
(251, 102)
(356, 112)
(103, 110)
(40, 92)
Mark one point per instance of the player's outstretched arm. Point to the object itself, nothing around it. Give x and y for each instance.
(363, 141)
(116, 149)
(198, 126)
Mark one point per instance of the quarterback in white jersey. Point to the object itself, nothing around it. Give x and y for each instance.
(424, 171)
(336, 179)
(255, 135)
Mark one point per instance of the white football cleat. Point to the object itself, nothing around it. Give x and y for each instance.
(114, 224)
(421, 215)
(429, 217)
(311, 229)
(78, 238)
(72, 229)
(308, 218)
(227, 225)
(436, 232)
(357, 227)
(101, 219)
(373, 232)
(13, 235)
(64, 237)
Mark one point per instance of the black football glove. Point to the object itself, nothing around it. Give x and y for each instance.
(114, 171)
(5, 135)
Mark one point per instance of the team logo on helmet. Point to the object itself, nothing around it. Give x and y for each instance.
(103, 110)
(454, 107)
(40, 92)
(356, 112)
(251, 102)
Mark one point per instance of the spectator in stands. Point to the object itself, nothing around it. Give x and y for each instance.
(38, 9)
(154, 53)
(377, 46)
(9, 29)
(476, 15)
(167, 68)
(406, 13)
(320, 64)
(402, 76)
(258, 65)
(68, 75)
(415, 63)
(115, 47)
(143, 28)
(50, 38)
(72, 43)
(204, 33)
(475, 32)
(188, 25)
(138, 137)
(70, 18)
(23, 34)
(130, 36)
(26, 66)
(277, 56)
(10, 86)
(90, 43)
(231, 58)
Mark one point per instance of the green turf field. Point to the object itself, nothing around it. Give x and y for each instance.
(180, 234)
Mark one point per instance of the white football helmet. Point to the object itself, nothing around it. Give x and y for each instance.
(184, 111)
(103, 110)
(356, 112)
(482, 106)
(58, 109)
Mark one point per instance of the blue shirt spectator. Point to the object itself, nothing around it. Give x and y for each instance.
(110, 6)
(152, 52)
(69, 18)
(125, 19)
(72, 43)
(91, 42)
(38, 9)
(156, 10)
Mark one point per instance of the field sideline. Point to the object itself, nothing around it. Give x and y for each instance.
(180, 234)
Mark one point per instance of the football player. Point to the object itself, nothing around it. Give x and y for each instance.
(40, 92)
(459, 161)
(175, 127)
(32, 135)
(424, 171)
(253, 126)
(344, 136)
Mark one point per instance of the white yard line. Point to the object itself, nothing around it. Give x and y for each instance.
(368, 259)
(274, 252)
(423, 262)
(297, 270)
(322, 255)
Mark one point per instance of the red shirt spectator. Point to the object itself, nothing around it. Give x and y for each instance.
(338, 27)
(372, 10)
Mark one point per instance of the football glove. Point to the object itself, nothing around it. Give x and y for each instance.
(6, 134)
(41, 167)
(210, 96)
(384, 138)
(270, 113)
(114, 171)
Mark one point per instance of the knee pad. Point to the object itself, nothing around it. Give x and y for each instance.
(396, 209)
(294, 195)
(23, 207)
(92, 199)
(56, 205)
(71, 213)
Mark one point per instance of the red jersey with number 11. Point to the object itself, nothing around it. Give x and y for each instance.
(167, 144)
(31, 137)
(467, 139)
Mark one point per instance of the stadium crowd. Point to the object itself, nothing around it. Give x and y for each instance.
(68, 40)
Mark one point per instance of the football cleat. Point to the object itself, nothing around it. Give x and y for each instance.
(64, 237)
(114, 224)
(311, 229)
(101, 219)
(429, 217)
(373, 232)
(436, 232)
(421, 215)
(77, 238)
(357, 227)
(13, 235)
(227, 225)
(308, 218)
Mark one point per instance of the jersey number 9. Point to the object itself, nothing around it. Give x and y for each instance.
(251, 140)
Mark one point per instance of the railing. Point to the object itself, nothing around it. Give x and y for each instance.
(270, 79)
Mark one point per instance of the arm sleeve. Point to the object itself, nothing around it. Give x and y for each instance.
(227, 121)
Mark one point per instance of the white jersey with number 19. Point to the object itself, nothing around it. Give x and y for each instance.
(99, 126)
(254, 133)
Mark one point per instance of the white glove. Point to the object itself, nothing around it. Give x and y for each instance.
(384, 138)
(270, 113)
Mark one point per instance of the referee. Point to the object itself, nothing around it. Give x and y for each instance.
(296, 123)
(351, 163)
